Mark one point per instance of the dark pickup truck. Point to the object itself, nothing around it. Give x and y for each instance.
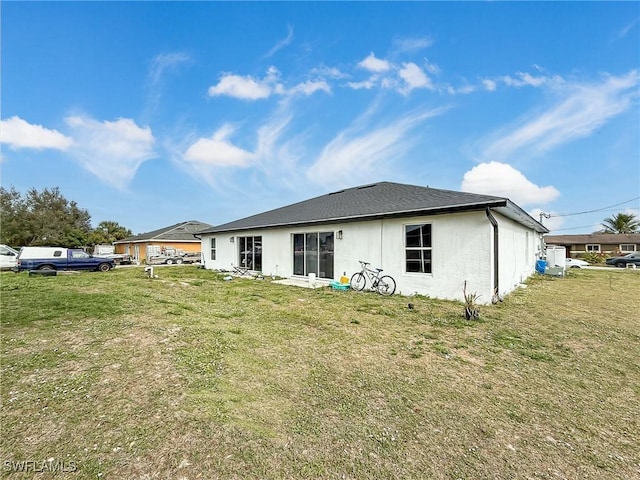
(58, 258)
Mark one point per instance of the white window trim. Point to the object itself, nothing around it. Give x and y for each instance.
(597, 249)
(404, 241)
(628, 245)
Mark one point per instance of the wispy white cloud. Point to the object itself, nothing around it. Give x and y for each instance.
(159, 67)
(374, 64)
(310, 87)
(624, 31)
(430, 67)
(218, 151)
(18, 133)
(363, 152)
(413, 77)
(582, 109)
(112, 151)
(403, 78)
(328, 72)
(247, 87)
(525, 79)
(408, 45)
(270, 136)
(281, 43)
(489, 85)
(280, 151)
(465, 90)
(522, 79)
(503, 180)
(221, 163)
(165, 62)
(367, 84)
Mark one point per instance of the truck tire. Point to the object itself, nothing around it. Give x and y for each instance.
(46, 267)
(169, 261)
(104, 267)
(178, 261)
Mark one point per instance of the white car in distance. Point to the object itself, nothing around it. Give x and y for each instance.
(576, 263)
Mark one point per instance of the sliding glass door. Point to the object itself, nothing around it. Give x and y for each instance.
(250, 253)
(313, 253)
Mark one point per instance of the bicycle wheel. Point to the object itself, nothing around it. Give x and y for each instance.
(358, 281)
(386, 285)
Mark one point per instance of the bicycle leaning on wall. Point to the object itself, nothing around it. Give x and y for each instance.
(384, 285)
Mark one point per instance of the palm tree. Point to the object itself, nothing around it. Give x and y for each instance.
(621, 223)
(113, 230)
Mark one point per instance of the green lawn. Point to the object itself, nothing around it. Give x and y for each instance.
(187, 376)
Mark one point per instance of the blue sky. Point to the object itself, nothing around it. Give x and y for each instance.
(152, 113)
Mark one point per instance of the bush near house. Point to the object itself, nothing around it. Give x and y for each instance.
(191, 376)
(595, 257)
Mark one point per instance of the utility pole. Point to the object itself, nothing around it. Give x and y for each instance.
(545, 215)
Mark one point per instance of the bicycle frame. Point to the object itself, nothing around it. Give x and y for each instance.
(372, 275)
(384, 285)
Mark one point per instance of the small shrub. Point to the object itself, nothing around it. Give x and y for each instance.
(594, 257)
(471, 309)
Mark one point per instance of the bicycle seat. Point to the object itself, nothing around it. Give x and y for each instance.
(378, 269)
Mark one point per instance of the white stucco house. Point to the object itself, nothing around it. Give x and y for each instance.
(430, 240)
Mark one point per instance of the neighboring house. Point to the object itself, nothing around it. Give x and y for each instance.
(180, 236)
(429, 240)
(607, 243)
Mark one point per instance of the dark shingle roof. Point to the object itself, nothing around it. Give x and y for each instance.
(377, 200)
(180, 232)
(604, 238)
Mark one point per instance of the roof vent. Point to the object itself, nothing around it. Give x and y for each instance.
(367, 186)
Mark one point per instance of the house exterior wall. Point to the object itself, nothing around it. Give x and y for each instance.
(519, 249)
(129, 248)
(580, 249)
(462, 249)
(603, 243)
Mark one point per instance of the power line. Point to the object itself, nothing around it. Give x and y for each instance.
(590, 211)
(572, 228)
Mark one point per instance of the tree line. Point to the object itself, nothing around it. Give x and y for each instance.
(47, 218)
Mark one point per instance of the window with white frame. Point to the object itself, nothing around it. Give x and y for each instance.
(628, 247)
(593, 247)
(417, 243)
(213, 248)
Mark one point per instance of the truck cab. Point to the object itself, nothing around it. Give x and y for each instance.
(8, 257)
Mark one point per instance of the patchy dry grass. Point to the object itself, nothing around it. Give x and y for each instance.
(189, 376)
